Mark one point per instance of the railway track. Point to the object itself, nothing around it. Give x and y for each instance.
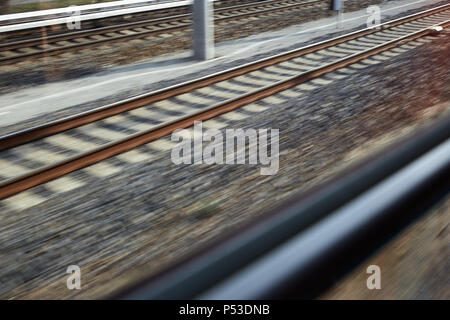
(55, 44)
(41, 154)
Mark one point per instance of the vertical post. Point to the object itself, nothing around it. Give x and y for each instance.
(203, 41)
(337, 6)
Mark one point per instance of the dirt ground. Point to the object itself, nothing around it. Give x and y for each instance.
(414, 265)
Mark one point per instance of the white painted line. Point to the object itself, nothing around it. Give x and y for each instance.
(91, 16)
(38, 13)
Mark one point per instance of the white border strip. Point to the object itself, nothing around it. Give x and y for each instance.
(99, 15)
(102, 5)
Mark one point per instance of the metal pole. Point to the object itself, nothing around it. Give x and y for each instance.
(203, 41)
(337, 6)
(340, 19)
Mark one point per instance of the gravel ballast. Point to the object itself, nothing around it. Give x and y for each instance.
(125, 227)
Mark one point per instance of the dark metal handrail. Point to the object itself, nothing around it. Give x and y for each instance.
(221, 269)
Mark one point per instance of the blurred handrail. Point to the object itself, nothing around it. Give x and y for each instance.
(314, 259)
(216, 270)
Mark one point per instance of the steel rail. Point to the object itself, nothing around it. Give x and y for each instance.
(90, 32)
(50, 128)
(57, 169)
(299, 248)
